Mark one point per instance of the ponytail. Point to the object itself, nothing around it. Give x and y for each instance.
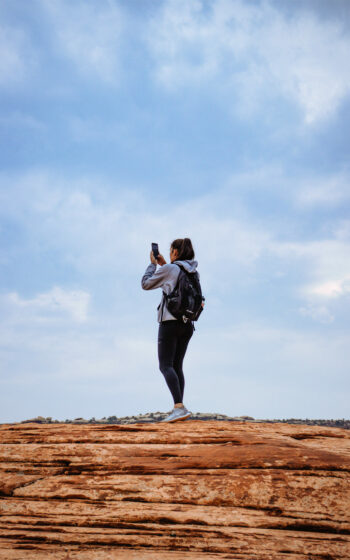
(185, 249)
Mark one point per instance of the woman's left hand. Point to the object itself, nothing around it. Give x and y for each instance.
(161, 260)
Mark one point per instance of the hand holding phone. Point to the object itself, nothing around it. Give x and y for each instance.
(155, 250)
(156, 257)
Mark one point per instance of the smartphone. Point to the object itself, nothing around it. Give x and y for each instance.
(155, 250)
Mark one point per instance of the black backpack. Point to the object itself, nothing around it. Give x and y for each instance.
(185, 301)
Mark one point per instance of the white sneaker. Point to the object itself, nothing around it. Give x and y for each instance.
(177, 414)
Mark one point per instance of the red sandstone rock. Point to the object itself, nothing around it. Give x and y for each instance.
(188, 490)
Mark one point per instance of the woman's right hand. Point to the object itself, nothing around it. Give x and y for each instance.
(160, 260)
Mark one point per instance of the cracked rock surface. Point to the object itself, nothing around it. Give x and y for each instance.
(187, 490)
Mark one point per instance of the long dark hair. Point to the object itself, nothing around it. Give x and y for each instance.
(185, 249)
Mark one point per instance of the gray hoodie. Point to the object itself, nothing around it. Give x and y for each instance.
(165, 277)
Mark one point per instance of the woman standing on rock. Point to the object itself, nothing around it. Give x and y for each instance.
(174, 334)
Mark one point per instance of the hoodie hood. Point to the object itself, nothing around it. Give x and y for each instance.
(190, 266)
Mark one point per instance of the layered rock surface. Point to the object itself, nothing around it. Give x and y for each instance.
(188, 490)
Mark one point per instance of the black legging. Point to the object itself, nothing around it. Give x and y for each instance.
(173, 338)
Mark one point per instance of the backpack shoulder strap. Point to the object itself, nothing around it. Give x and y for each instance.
(181, 267)
(177, 282)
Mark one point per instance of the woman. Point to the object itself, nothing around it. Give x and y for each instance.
(173, 334)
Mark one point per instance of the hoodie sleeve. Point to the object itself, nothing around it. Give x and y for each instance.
(154, 278)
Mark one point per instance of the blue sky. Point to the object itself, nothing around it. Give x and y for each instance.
(124, 123)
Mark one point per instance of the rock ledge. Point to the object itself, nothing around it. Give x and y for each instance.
(188, 490)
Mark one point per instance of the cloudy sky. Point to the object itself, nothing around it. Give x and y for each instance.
(125, 122)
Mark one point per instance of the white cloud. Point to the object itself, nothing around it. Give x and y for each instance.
(22, 120)
(324, 274)
(98, 231)
(327, 263)
(254, 52)
(266, 371)
(319, 313)
(49, 304)
(303, 191)
(88, 34)
(259, 369)
(332, 289)
(95, 231)
(95, 227)
(17, 58)
(323, 191)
